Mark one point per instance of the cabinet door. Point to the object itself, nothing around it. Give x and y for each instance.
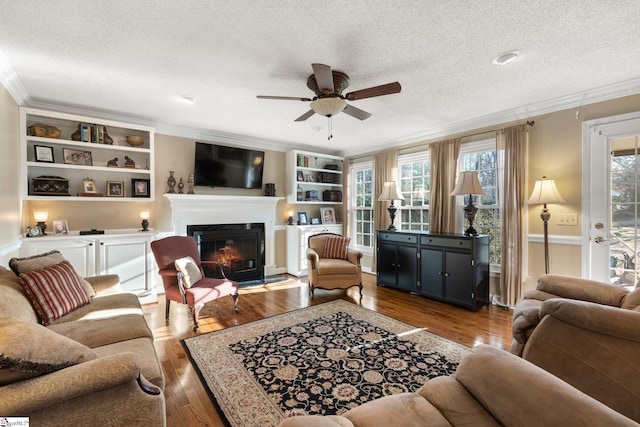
(129, 259)
(79, 252)
(407, 268)
(431, 272)
(386, 264)
(459, 277)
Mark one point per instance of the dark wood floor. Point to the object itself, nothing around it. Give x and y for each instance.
(187, 401)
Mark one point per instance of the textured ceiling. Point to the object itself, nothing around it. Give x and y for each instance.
(131, 60)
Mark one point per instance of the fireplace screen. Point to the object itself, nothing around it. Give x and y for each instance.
(237, 250)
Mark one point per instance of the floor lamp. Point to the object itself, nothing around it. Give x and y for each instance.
(390, 193)
(545, 191)
(468, 183)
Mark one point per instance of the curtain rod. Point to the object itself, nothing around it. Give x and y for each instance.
(529, 123)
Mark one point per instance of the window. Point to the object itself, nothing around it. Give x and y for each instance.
(362, 200)
(481, 156)
(415, 184)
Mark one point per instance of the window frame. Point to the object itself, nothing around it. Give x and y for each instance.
(484, 145)
(353, 169)
(409, 158)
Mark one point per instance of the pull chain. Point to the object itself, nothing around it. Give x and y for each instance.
(330, 130)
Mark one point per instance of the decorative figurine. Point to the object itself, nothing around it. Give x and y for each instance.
(190, 181)
(113, 163)
(180, 186)
(128, 162)
(171, 182)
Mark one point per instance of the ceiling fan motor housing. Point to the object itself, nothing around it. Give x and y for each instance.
(340, 83)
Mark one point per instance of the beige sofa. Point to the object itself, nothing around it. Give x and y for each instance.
(587, 333)
(491, 387)
(93, 366)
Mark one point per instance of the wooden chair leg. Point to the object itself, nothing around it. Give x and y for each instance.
(196, 312)
(311, 289)
(166, 310)
(235, 302)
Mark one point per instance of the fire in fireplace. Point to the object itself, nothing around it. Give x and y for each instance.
(235, 249)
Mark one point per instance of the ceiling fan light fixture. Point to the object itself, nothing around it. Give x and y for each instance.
(505, 58)
(328, 106)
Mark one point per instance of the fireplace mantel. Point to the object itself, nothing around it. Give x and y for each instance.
(200, 209)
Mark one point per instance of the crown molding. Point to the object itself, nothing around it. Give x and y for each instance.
(524, 112)
(12, 83)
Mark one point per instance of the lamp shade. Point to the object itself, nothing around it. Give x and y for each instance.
(41, 216)
(390, 192)
(468, 183)
(545, 191)
(328, 106)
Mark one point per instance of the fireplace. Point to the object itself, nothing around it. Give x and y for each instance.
(238, 250)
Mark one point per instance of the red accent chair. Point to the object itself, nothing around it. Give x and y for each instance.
(166, 251)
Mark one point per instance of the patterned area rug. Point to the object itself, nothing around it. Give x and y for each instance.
(324, 359)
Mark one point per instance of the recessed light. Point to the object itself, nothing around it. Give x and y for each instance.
(505, 58)
(188, 99)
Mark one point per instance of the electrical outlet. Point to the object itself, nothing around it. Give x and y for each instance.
(567, 219)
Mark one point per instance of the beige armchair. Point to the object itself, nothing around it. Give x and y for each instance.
(587, 333)
(331, 264)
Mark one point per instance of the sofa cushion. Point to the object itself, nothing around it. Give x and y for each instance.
(29, 350)
(104, 307)
(54, 291)
(190, 271)
(14, 301)
(632, 300)
(336, 247)
(40, 262)
(98, 332)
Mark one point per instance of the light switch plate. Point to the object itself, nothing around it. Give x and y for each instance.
(567, 219)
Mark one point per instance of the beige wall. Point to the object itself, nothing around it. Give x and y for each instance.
(10, 228)
(555, 151)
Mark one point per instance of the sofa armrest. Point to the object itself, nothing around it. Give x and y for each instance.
(581, 289)
(518, 393)
(106, 284)
(354, 256)
(602, 319)
(29, 396)
(312, 259)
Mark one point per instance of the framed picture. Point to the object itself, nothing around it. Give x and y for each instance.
(115, 188)
(328, 215)
(308, 177)
(140, 187)
(315, 220)
(302, 218)
(77, 157)
(300, 176)
(89, 186)
(43, 153)
(60, 227)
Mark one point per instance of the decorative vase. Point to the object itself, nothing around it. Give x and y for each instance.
(171, 182)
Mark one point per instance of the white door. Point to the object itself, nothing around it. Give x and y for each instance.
(611, 205)
(130, 259)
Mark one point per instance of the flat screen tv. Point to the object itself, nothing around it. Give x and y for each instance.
(220, 166)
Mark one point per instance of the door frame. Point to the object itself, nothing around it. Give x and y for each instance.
(588, 127)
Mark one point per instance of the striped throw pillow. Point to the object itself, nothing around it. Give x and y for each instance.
(336, 247)
(54, 291)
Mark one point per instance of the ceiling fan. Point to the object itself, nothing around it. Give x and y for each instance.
(329, 100)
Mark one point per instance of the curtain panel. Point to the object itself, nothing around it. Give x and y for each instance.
(512, 145)
(442, 206)
(385, 168)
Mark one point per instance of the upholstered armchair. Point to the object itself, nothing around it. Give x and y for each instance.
(180, 267)
(587, 333)
(331, 264)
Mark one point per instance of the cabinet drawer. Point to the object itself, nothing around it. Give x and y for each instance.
(446, 243)
(399, 238)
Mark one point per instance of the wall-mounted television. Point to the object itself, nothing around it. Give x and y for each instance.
(221, 166)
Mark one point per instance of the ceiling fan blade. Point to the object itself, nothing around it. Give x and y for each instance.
(305, 116)
(286, 98)
(381, 90)
(356, 112)
(324, 78)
